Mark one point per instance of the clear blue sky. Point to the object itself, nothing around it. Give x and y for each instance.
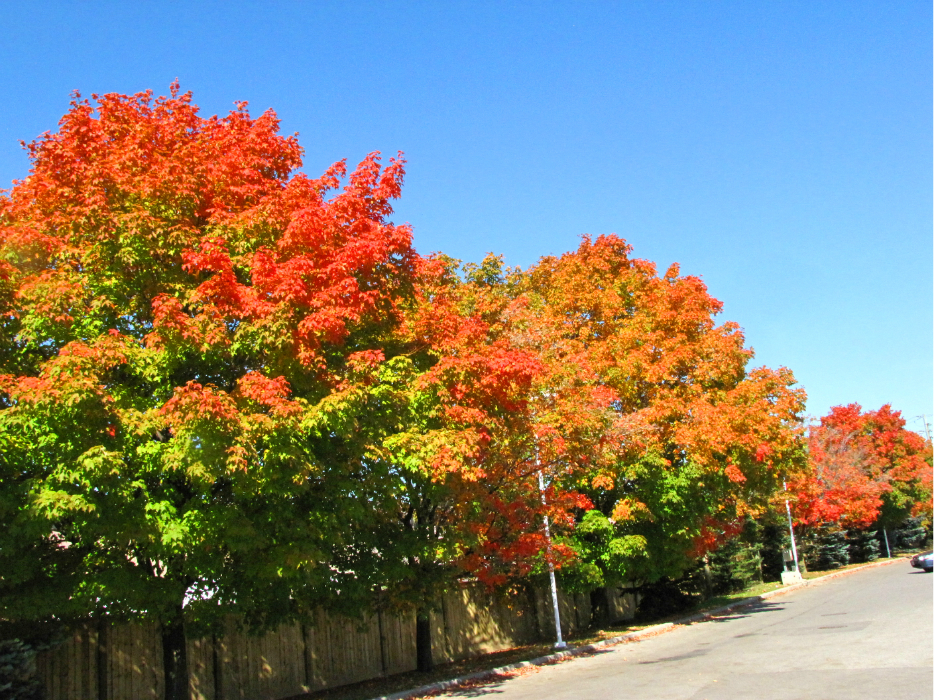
(780, 150)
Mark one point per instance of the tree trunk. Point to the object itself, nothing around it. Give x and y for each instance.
(600, 607)
(423, 658)
(175, 657)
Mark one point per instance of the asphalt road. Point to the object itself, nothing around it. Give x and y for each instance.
(864, 635)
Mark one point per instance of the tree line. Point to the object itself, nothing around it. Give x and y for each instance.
(229, 387)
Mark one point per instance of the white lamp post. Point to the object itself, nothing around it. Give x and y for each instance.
(791, 529)
(560, 644)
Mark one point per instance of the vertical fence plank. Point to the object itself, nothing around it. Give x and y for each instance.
(201, 669)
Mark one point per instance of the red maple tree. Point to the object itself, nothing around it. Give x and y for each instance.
(859, 463)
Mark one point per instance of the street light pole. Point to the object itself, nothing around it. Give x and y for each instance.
(791, 529)
(560, 644)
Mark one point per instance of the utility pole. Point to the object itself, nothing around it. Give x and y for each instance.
(924, 421)
(560, 644)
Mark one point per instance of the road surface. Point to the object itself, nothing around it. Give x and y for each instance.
(865, 635)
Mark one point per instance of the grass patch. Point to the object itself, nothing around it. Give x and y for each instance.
(823, 572)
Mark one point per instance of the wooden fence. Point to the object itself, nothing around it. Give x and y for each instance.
(124, 662)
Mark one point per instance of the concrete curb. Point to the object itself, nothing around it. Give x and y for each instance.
(631, 637)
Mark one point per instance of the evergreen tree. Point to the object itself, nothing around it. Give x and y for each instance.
(831, 550)
(773, 539)
(910, 534)
(737, 563)
(863, 544)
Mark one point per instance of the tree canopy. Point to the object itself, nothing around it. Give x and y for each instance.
(864, 466)
(226, 386)
(187, 323)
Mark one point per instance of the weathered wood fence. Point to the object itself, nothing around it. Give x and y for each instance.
(124, 662)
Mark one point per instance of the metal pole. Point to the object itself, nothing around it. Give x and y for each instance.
(791, 529)
(888, 552)
(560, 644)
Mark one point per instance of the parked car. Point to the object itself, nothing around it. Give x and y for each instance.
(925, 561)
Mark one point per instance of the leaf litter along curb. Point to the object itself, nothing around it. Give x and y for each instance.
(504, 673)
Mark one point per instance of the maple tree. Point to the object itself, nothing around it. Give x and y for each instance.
(184, 320)
(226, 386)
(460, 493)
(698, 442)
(864, 467)
(620, 388)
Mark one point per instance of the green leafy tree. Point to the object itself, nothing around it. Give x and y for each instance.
(186, 324)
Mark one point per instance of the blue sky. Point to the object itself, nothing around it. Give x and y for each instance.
(781, 150)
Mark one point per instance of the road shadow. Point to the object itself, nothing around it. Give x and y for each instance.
(678, 657)
(494, 685)
(739, 613)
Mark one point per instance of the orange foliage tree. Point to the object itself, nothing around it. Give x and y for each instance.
(698, 440)
(864, 467)
(479, 415)
(226, 386)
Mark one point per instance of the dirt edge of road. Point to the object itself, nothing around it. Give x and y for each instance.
(652, 631)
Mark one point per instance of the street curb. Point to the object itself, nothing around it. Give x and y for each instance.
(631, 637)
